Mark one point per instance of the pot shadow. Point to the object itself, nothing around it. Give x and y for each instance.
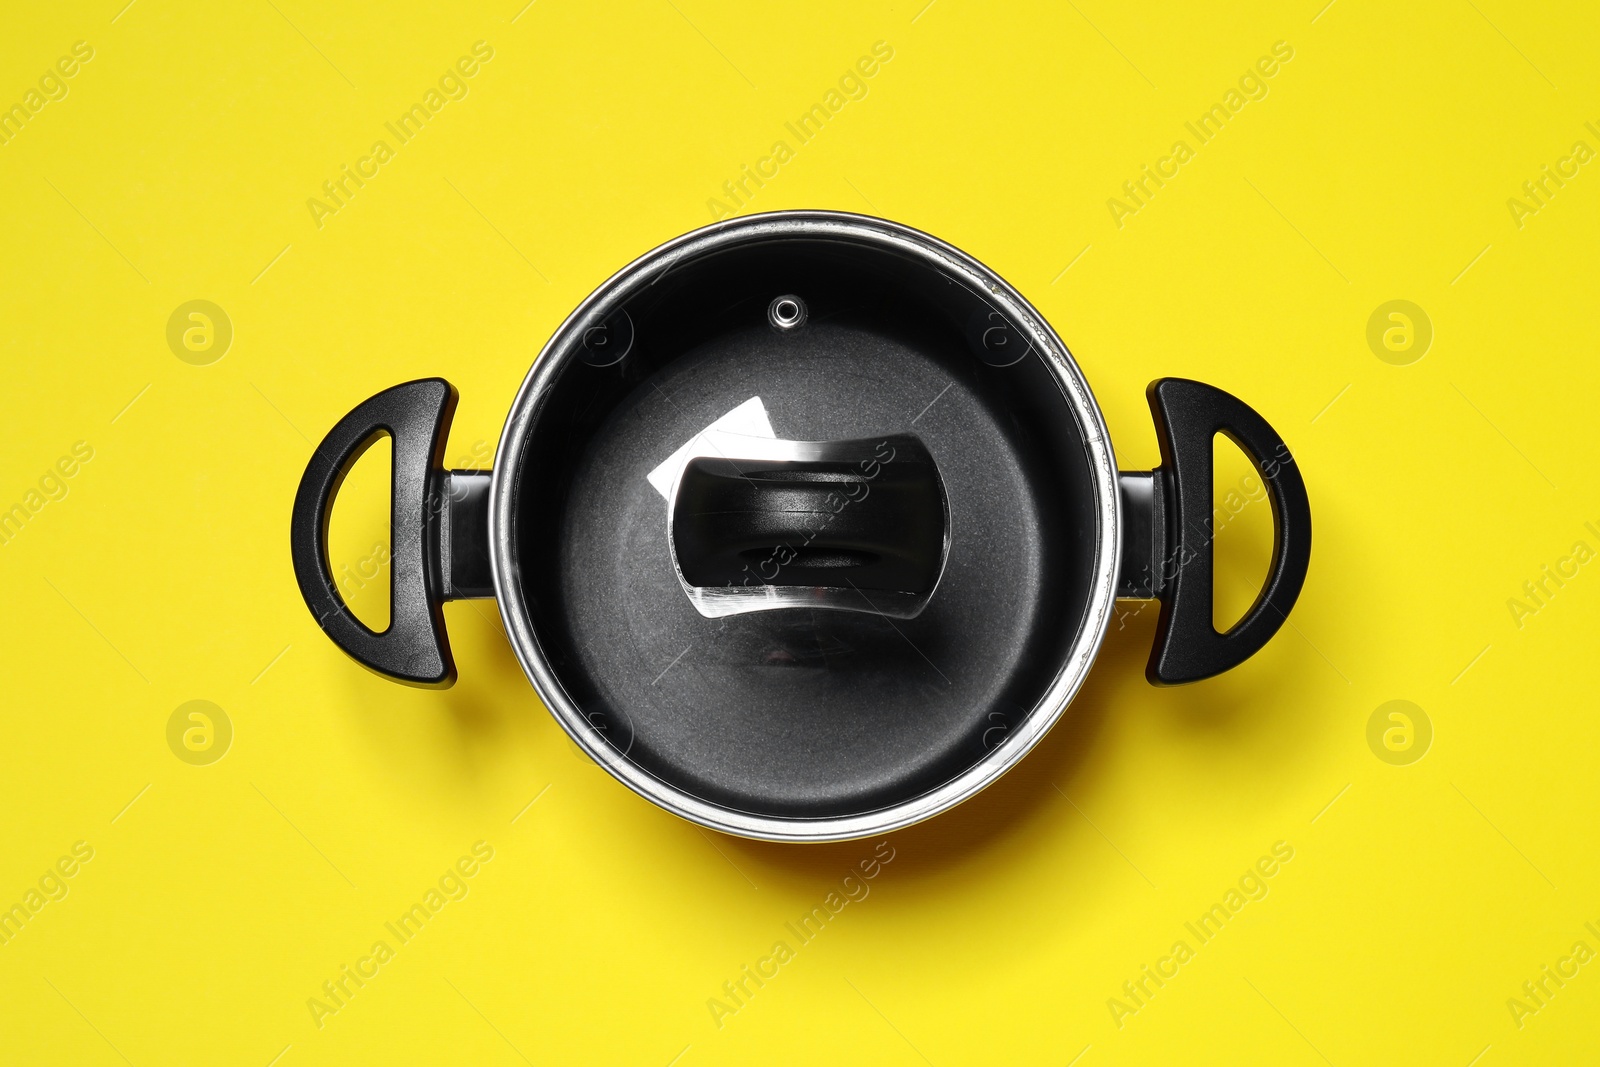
(487, 673)
(1022, 810)
(1009, 811)
(488, 716)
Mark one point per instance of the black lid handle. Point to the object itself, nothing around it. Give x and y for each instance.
(855, 525)
(439, 533)
(1168, 532)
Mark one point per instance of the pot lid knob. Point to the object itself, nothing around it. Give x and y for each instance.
(758, 524)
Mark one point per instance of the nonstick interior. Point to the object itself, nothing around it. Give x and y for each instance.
(806, 713)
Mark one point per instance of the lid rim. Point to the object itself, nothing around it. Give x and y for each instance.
(562, 347)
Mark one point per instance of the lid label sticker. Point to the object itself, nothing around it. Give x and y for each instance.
(747, 420)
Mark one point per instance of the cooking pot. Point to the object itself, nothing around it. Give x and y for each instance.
(805, 526)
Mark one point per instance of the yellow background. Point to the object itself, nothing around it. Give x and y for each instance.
(219, 900)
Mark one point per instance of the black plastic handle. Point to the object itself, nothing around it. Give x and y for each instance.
(1168, 538)
(438, 532)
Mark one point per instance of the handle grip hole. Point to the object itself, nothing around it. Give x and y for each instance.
(1241, 525)
(359, 545)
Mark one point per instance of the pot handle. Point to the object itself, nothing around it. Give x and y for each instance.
(1168, 532)
(438, 533)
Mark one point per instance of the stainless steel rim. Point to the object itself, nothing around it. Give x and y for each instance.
(642, 272)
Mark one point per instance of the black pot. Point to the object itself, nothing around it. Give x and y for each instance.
(805, 526)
